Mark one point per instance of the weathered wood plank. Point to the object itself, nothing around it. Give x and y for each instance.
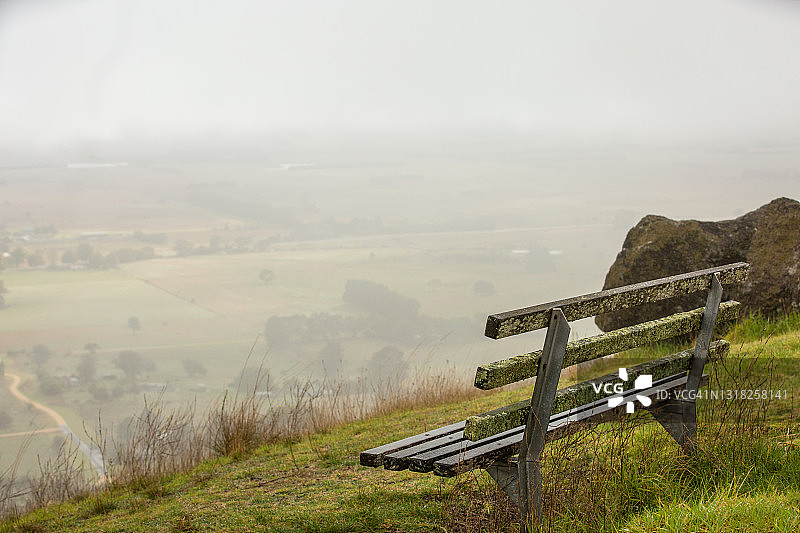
(482, 426)
(452, 449)
(423, 462)
(374, 456)
(399, 460)
(525, 366)
(484, 452)
(480, 454)
(531, 318)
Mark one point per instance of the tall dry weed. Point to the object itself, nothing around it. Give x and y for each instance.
(159, 441)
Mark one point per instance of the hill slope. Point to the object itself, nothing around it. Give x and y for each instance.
(745, 478)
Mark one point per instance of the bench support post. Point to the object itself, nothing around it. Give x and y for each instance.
(505, 474)
(679, 415)
(529, 463)
(679, 418)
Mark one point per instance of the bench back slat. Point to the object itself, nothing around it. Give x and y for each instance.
(525, 366)
(485, 425)
(519, 321)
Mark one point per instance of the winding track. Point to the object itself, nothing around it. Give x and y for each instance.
(92, 453)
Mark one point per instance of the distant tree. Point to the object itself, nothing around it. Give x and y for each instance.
(134, 324)
(2, 368)
(132, 364)
(52, 257)
(330, 358)
(69, 257)
(214, 243)
(111, 260)
(123, 255)
(92, 347)
(183, 247)
(267, 276)
(5, 419)
(49, 385)
(252, 379)
(193, 368)
(126, 255)
(86, 367)
(483, 288)
(97, 261)
(2, 301)
(18, 256)
(153, 238)
(377, 299)
(99, 392)
(84, 252)
(3, 289)
(279, 330)
(36, 259)
(41, 354)
(387, 363)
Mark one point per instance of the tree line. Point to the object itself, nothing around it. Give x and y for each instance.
(84, 255)
(381, 314)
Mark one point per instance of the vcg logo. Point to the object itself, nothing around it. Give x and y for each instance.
(645, 381)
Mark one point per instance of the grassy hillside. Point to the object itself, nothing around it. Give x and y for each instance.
(618, 477)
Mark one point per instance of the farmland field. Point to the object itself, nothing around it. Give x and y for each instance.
(183, 264)
(212, 309)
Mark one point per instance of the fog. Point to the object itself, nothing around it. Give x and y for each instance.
(75, 70)
(330, 187)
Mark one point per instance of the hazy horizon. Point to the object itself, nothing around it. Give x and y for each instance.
(646, 72)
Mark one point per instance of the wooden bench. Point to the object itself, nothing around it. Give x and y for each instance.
(490, 440)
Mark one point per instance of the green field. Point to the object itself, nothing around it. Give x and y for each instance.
(212, 309)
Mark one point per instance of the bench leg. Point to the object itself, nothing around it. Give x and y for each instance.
(679, 415)
(706, 332)
(505, 474)
(530, 449)
(679, 418)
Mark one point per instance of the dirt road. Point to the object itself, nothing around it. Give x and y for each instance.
(14, 390)
(91, 452)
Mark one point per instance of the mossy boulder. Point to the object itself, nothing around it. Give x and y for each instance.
(767, 238)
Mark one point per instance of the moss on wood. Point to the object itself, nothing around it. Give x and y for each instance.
(525, 366)
(482, 426)
(532, 318)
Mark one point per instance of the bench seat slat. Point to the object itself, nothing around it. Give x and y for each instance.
(484, 452)
(451, 453)
(400, 460)
(525, 366)
(374, 456)
(423, 462)
(532, 318)
(480, 454)
(481, 426)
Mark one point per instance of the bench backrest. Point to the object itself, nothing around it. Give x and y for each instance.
(528, 319)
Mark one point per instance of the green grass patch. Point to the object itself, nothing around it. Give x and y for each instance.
(759, 327)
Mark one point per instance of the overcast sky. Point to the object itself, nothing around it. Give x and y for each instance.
(103, 69)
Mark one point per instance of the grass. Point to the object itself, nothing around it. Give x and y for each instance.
(759, 327)
(627, 476)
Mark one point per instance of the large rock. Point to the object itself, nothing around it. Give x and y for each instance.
(767, 238)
